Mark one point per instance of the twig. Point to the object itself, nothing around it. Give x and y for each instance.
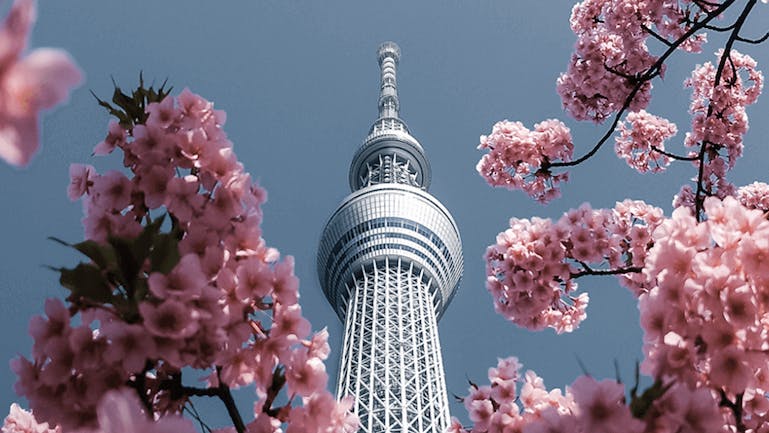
(738, 23)
(674, 156)
(652, 72)
(753, 41)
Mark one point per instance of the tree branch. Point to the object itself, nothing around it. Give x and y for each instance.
(174, 385)
(736, 408)
(656, 35)
(753, 41)
(705, 146)
(619, 271)
(652, 72)
(674, 156)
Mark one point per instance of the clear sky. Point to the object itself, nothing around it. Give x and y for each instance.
(299, 82)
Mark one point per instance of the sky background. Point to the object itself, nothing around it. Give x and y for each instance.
(299, 81)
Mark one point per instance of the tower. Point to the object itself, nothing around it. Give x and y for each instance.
(389, 262)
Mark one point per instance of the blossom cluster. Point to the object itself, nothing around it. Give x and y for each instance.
(208, 294)
(38, 81)
(719, 119)
(587, 406)
(754, 196)
(704, 320)
(642, 142)
(518, 158)
(531, 269)
(611, 54)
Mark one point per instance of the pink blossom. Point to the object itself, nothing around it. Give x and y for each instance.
(170, 319)
(229, 302)
(182, 198)
(81, 179)
(116, 137)
(305, 375)
(519, 158)
(185, 281)
(601, 406)
(532, 268)
(21, 421)
(255, 279)
(121, 412)
(28, 85)
(640, 145)
(112, 191)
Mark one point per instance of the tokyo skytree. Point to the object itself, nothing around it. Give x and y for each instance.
(389, 262)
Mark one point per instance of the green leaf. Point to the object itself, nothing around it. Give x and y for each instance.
(165, 253)
(130, 109)
(142, 245)
(639, 405)
(103, 255)
(128, 266)
(86, 281)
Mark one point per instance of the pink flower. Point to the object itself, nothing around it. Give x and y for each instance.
(640, 143)
(517, 155)
(121, 412)
(305, 375)
(602, 406)
(185, 281)
(112, 191)
(28, 85)
(80, 180)
(21, 421)
(171, 319)
(116, 137)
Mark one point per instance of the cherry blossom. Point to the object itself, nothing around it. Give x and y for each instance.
(518, 157)
(29, 84)
(531, 270)
(206, 293)
(21, 421)
(642, 143)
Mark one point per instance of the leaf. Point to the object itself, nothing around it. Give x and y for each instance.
(165, 253)
(103, 255)
(128, 266)
(143, 243)
(639, 405)
(86, 281)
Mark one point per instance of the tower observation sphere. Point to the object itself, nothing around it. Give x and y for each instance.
(389, 262)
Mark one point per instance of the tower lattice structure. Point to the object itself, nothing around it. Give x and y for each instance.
(389, 262)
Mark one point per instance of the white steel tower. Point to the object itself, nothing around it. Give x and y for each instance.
(390, 260)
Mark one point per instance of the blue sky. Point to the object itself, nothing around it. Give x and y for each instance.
(299, 81)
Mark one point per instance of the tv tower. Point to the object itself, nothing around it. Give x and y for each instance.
(389, 262)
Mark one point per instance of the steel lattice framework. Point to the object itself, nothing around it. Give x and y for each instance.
(389, 262)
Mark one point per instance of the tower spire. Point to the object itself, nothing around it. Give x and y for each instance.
(389, 54)
(389, 261)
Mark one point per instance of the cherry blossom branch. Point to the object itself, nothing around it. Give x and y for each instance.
(656, 35)
(705, 146)
(719, 28)
(673, 155)
(754, 41)
(619, 271)
(736, 408)
(700, 4)
(174, 385)
(650, 74)
(190, 408)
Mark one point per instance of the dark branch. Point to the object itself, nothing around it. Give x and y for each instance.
(652, 72)
(736, 408)
(656, 36)
(699, 197)
(720, 29)
(619, 271)
(673, 155)
(753, 41)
